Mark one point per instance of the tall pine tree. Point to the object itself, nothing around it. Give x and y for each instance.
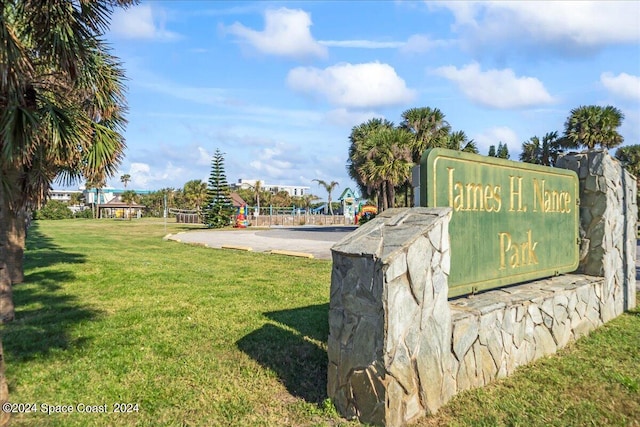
(219, 210)
(502, 152)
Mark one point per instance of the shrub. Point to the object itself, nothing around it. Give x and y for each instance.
(85, 213)
(54, 209)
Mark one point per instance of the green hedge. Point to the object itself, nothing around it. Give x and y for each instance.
(54, 209)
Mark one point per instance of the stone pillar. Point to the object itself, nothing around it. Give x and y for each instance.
(390, 328)
(608, 217)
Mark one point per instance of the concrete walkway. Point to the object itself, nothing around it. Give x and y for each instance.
(312, 242)
(306, 241)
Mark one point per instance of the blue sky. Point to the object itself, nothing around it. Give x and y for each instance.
(278, 86)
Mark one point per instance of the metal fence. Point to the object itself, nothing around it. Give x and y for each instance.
(270, 217)
(292, 216)
(296, 220)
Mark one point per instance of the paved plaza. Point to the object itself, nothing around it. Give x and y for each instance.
(304, 241)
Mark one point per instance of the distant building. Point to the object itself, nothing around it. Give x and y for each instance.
(349, 203)
(63, 195)
(237, 201)
(292, 190)
(106, 194)
(116, 208)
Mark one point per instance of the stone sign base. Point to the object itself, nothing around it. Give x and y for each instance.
(399, 349)
(499, 330)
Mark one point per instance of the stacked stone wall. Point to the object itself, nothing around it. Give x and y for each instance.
(387, 307)
(399, 349)
(608, 217)
(497, 331)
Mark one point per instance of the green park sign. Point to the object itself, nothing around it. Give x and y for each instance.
(511, 222)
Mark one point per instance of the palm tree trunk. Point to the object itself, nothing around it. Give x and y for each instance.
(383, 191)
(391, 191)
(7, 312)
(16, 235)
(407, 189)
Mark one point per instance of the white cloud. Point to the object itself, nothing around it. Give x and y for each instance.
(230, 106)
(143, 177)
(496, 135)
(286, 33)
(500, 89)
(271, 164)
(346, 118)
(623, 85)
(140, 22)
(463, 11)
(353, 85)
(204, 157)
(203, 95)
(362, 44)
(419, 43)
(566, 24)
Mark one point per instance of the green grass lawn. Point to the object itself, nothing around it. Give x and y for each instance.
(110, 313)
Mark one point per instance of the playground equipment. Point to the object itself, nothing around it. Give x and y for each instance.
(367, 211)
(241, 217)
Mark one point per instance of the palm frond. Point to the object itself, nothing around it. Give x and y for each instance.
(18, 126)
(105, 154)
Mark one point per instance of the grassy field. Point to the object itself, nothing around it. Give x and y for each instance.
(111, 314)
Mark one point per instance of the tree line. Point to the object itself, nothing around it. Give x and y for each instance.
(193, 196)
(381, 155)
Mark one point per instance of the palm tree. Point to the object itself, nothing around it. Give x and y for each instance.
(129, 197)
(307, 200)
(195, 193)
(629, 156)
(430, 130)
(388, 163)
(281, 199)
(97, 184)
(541, 152)
(329, 186)
(61, 101)
(358, 149)
(125, 179)
(460, 142)
(256, 193)
(429, 127)
(531, 150)
(593, 125)
(61, 112)
(76, 199)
